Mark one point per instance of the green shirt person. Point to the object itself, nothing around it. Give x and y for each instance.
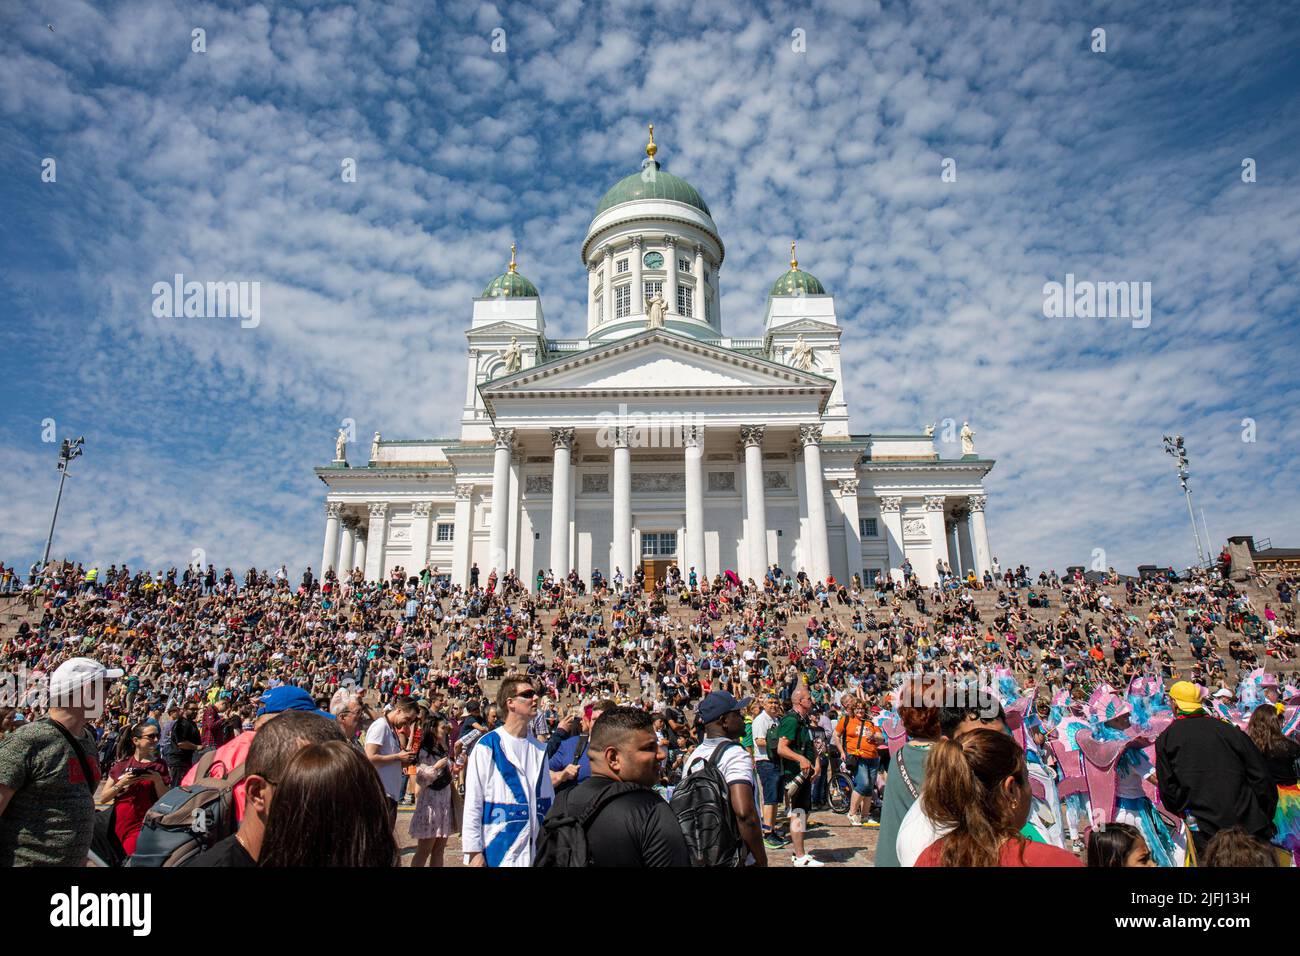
(796, 754)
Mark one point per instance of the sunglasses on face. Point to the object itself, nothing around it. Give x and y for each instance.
(530, 693)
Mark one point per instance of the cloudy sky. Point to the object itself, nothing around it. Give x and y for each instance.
(829, 122)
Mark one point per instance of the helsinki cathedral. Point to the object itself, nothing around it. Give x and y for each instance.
(657, 438)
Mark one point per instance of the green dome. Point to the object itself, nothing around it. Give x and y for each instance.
(661, 185)
(798, 282)
(510, 285)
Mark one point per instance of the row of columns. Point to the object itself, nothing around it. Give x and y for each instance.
(345, 542)
(967, 532)
(562, 440)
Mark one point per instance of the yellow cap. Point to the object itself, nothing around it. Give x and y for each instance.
(1186, 696)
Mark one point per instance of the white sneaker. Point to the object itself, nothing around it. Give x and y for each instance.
(854, 820)
(806, 860)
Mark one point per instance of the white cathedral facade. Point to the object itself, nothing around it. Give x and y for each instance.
(656, 439)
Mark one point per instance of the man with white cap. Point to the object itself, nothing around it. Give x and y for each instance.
(49, 771)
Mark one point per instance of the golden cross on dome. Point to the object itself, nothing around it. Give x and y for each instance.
(512, 257)
(650, 147)
(794, 263)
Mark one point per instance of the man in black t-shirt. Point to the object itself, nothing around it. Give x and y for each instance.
(184, 740)
(636, 828)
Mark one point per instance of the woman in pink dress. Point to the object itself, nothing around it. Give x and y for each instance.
(433, 820)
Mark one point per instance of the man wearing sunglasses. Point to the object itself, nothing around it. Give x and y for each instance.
(507, 783)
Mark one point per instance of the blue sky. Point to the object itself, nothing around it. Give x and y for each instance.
(224, 165)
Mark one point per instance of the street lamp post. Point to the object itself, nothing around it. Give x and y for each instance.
(67, 452)
(1175, 449)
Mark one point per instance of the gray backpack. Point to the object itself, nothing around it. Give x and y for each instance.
(188, 820)
(702, 804)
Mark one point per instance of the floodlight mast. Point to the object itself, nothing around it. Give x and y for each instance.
(1176, 449)
(68, 451)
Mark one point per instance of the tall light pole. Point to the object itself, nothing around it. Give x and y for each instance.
(1175, 449)
(67, 452)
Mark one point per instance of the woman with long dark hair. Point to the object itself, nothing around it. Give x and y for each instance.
(135, 782)
(433, 820)
(1282, 754)
(977, 787)
(1118, 845)
(330, 809)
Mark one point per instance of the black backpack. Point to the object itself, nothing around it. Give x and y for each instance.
(702, 805)
(563, 840)
(185, 821)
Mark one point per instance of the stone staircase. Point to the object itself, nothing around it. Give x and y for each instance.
(13, 611)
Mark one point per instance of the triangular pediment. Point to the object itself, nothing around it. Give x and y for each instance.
(503, 328)
(660, 361)
(805, 325)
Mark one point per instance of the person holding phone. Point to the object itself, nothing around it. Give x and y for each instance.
(570, 763)
(135, 783)
(433, 820)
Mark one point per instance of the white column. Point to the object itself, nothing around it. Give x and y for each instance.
(852, 527)
(938, 536)
(954, 550)
(638, 293)
(471, 381)
(593, 317)
(463, 535)
(670, 275)
(622, 553)
(693, 439)
(347, 546)
(512, 536)
(562, 439)
(716, 293)
(700, 290)
(359, 560)
(421, 512)
(377, 535)
(505, 439)
(963, 541)
(891, 516)
(819, 551)
(333, 511)
(979, 534)
(751, 436)
(608, 290)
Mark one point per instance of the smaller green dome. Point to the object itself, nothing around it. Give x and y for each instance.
(510, 284)
(796, 281)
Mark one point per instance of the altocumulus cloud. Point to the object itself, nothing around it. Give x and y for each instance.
(225, 165)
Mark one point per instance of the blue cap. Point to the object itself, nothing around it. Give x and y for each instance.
(279, 699)
(717, 704)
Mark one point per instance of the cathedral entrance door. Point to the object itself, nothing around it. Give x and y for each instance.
(658, 550)
(656, 571)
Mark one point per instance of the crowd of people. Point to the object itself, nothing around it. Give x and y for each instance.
(1006, 719)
